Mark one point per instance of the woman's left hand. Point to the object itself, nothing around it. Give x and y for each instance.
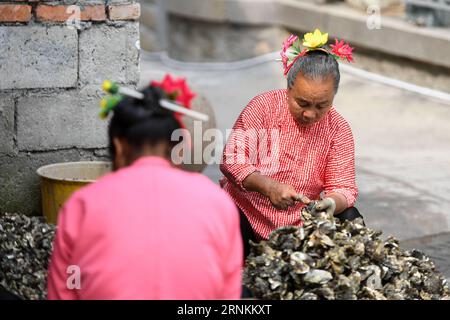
(327, 204)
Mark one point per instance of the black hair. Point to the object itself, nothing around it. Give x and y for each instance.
(142, 121)
(315, 64)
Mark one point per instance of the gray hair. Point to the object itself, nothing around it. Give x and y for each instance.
(315, 65)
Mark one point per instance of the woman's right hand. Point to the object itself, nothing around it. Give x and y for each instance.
(282, 195)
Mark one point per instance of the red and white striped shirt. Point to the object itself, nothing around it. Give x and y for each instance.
(314, 159)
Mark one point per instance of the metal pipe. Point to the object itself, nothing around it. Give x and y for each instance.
(271, 57)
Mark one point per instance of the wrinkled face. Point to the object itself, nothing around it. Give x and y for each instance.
(309, 100)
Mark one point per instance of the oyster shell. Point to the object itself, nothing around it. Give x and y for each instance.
(329, 259)
(25, 249)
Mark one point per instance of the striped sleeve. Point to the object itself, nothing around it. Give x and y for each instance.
(240, 153)
(340, 169)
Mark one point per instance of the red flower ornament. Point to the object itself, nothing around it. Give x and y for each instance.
(342, 50)
(176, 90)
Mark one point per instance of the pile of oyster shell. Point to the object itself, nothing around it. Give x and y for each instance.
(25, 249)
(327, 259)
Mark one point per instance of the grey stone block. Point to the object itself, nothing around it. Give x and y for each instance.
(63, 120)
(38, 57)
(6, 125)
(108, 52)
(20, 185)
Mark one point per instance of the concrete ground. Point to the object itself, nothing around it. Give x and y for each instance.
(402, 141)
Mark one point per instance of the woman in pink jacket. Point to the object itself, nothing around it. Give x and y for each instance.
(148, 230)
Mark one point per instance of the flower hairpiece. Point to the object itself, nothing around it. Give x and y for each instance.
(291, 50)
(176, 90)
(179, 97)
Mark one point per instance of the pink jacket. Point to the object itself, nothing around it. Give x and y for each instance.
(148, 231)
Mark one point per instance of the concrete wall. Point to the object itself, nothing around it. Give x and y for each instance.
(204, 41)
(50, 78)
(229, 30)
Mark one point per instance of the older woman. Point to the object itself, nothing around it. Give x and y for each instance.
(311, 152)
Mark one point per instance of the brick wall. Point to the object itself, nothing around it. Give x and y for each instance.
(51, 69)
(59, 11)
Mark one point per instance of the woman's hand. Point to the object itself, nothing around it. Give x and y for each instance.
(282, 195)
(328, 205)
(333, 203)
